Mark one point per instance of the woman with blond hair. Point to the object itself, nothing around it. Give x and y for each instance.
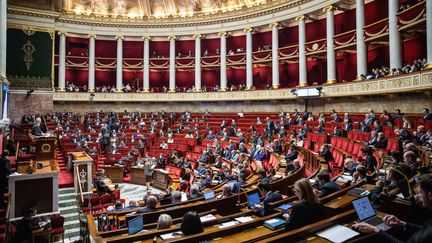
(308, 209)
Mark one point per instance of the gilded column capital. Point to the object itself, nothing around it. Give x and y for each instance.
(223, 33)
(249, 29)
(92, 36)
(198, 36)
(274, 25)
(62, 33)
(146, 37)
(329, 8)
(172, 37)
(301, 17)
(119, 37)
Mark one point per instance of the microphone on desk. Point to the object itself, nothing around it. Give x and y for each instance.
(402, 189)
(238, 199)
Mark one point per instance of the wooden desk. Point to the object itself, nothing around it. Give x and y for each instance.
(346, 199)
(48, 166)
(161, 179)
(116, 174)
(137, 176)
(41, 233)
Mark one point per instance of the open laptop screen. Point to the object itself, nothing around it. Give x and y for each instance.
(363, 208)
(208, 195)
(135, 225)
(253, 199)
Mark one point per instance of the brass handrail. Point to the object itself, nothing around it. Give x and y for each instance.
(79, 184)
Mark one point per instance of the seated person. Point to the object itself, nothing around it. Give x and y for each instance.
(211, 135)
(370, 161)
(36, 129)
(175, 197)
(292, 153)
(269, 196)
(240, 183)
(325, 153)
(191, 224)
(151, 204)
(308, 210)
(359, 174)
(164, 222)
(163, 145)
(381, 141)
(194, 192)
(423, 197)
(292, 167)
(226, 191)
(326, 185)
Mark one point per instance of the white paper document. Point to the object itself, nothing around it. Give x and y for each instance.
(271, 221)
(338, 233)
(228, 224)
(208, 217)
(170, 235)
(244, 219)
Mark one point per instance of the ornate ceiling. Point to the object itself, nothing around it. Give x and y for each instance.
(157, 8)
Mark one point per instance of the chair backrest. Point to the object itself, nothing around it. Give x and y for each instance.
(105, 198)
(57, 222)
(95, 200)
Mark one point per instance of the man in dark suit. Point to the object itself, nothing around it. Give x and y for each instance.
(240, 183)
(4, 173)
(36, 129)
(269, 196)
(151, 205)
(327, 186)
(269, 127)
(427, 116)
(381, 141)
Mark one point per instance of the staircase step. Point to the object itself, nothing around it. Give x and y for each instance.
(72, 232)
(65, 196)
(71, 216)
(72, 224)
(68, 202)
(66, 190)
(68, 210)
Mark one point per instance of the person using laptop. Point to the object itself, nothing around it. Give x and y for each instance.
(307, 210)
(423, 198)
(269, 196)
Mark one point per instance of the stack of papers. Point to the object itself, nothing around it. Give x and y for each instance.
(338, 233)
(244, 219)
(208, 217)
(170, 235)
(228, 224)
(344, 178)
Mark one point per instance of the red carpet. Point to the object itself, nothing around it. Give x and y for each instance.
(65, 179)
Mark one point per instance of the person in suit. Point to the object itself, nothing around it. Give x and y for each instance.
(308, 210)
(292, 153)
(4, 174)
(151, 204)
(370, 160)
(149, 167)
(36, 129)
(269, 127)
(191, 224)
(240, 183)
(269, 196)
(427, 116)
(327, 186)
(381, 141)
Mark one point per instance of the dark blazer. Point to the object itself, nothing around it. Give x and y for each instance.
(145, 210)
(36, 130)
(271, 197)
(303, 214)
(381, 143)
(237, 186)
(292, 155)
(328, 188)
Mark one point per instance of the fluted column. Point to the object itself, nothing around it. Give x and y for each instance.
(172, 77)
(91, 72)
(302, 51)
(197, 62)
(223, 61)
(275, 55)
(62, 62)
(146, 64)
(360, 40)
(429, 32)
(331, 56)
(394, 36)
(3, 39)
(119, 67)
(249, 71)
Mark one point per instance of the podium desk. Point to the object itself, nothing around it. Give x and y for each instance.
(45, 148)
(137, 176)
(115, 174)
(161, 179)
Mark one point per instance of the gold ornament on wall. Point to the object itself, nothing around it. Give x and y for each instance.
(28, 50)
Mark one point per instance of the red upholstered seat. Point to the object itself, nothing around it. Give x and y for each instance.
(96, 205)
(57, 228)
(106, 200)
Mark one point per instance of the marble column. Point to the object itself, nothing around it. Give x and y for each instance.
(146, 65)
(249, 70)
(3, 39)
(275, 55)
(223, 61)
(331, 55)
(119, 66)
(197, 62)
(360, 40)
(91, 69)
(172, 69)
(394, 35)
(62, 62)
(429, 32)
(302, 51)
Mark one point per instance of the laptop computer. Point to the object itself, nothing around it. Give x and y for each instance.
(209, 195)
(253, 199)
(367, 214)
(135, 225)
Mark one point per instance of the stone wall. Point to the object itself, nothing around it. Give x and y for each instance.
(35, 103)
